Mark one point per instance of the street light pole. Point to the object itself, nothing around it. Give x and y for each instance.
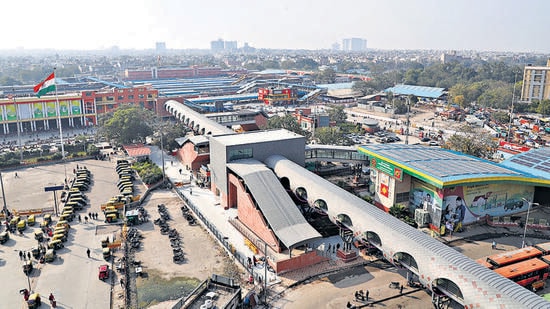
(526, 220)
(3, 194)
(408, 119)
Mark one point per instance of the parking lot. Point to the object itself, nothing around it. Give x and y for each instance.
(72, 277)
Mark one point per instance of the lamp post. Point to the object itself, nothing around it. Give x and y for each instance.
(408, 119)
(526, 220)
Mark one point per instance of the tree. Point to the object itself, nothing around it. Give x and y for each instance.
(285, 122)
(327, 76)
(331, 136)
(127, 124)
(544, 107)
(472, 141)
(337, 114)
(363, 87)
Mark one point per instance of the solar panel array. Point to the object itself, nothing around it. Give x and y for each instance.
(539, 159)
(439, 162)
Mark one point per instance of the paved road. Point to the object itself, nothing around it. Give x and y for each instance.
(73, 276)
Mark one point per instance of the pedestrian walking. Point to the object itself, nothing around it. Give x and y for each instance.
(90, 214)
(494, 245)
(191, 191)
(86, 219)
(24, 256)
(29, 255)
(88, 252)
(367, 295)
(79, 218)
(16, 175)
(121, 282)
(401, 290)
(20, 255)
(95, 215)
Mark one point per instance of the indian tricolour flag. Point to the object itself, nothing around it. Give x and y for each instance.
(47, 85)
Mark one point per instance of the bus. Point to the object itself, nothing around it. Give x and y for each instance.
(511, 257)
(529, 273)
(544, 247)
(483, 262)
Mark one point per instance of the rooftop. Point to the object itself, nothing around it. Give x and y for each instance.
(419, 91)
(442, 167)
(535, 162)
(257, 137)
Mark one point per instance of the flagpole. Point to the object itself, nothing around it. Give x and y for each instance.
(60, 126)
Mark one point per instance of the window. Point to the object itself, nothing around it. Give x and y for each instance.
(402, 197)
(88, 93)
(237, 154)
(131, 96)
(121, 97)
(141, 96)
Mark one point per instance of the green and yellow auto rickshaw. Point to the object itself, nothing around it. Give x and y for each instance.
(22, 225)
(55, 244)
(31, 220)
(4, 237)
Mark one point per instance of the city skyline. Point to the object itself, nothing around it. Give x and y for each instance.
(488, 25)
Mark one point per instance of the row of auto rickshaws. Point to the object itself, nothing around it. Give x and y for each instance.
(125, 178)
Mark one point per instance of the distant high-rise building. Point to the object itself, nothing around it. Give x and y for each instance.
(160, 47)
(536, 83)
(354, 44)
(230, 45)
(217, 46)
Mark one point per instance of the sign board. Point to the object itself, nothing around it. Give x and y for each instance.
(53, 188)
(387, 168)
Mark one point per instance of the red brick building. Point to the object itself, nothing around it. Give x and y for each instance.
(110, 99)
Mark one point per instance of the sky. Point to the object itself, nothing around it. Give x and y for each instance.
(485, 25)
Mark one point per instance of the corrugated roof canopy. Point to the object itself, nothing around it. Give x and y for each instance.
(535, 162)
(280, 212)
(419, 91)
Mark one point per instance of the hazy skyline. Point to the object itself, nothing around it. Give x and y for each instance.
(488, 25)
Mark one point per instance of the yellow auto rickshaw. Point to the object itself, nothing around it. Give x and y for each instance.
(13, 222)
(22, 225)
(111, 218)
(64, 224)
(34, 301)
(106, 253)
(55, 244)
(39, 235)
(31, 220)
(66, 217)
(50, 255)
(35, 251)
(59, 230)
(112, 212)
(59, 236)
(48, 218)
(66, 208)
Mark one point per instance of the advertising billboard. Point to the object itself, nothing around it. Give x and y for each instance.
(38, 110)
(11, 112)
(51, 110)
(464, 204)
(64, 108)
(429, 198)
(75, 107)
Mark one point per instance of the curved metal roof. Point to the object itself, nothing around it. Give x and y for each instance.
(182, 112)
(442, 167)
(480, 287)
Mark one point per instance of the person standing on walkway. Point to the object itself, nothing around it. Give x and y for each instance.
(494, 245)
(401, 290)
(121, 282)
(20, 255)
(367, 295)
(88, 252)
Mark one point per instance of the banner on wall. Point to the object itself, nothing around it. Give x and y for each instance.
(387, 168)
(75, 107)
(11, 112)
(38, 110)
(64, 108)
(465, 204)
(429, 198)
(1, 113)
(51, 111)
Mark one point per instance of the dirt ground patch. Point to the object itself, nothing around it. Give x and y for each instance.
(203, 256)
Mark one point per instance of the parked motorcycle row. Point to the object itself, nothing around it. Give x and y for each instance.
(188, 215)
(173, 235)
(133, 238)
